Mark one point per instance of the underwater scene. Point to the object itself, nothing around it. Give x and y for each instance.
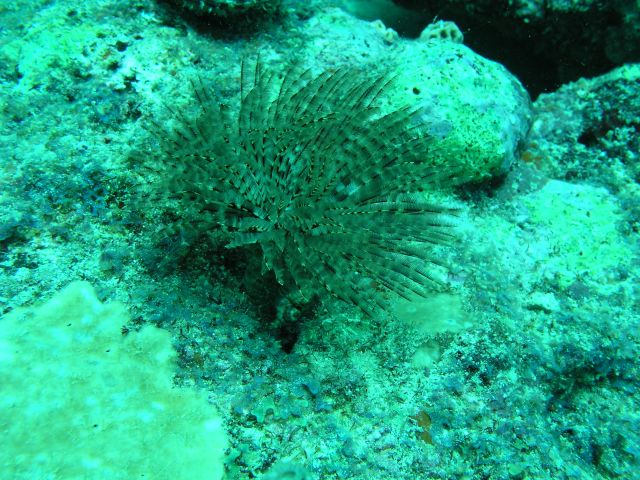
(323, 239)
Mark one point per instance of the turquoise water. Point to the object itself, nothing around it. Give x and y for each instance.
(319, 240)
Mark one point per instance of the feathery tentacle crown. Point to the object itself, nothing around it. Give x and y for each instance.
(328, 185)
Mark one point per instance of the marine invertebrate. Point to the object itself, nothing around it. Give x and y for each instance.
(333, 189)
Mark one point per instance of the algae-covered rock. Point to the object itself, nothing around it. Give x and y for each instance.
(473, 108)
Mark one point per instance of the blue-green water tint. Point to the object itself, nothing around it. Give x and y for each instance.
(523, 365)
